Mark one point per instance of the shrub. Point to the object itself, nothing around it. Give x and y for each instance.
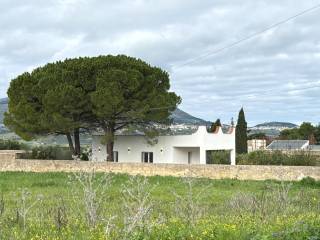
(309, 181)
(11, 145)
(86, 154)
(277, 158)
(48, 152)
(218, 157)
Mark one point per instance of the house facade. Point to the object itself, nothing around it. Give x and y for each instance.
(177, 149)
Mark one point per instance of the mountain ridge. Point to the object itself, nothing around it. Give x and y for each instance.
(181, 117)
(276, 124)
(178, 116)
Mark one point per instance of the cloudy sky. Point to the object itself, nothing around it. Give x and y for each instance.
(275, 76)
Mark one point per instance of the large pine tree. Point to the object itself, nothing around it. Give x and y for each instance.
(241, 134)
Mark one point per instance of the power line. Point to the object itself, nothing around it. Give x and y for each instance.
(191, 61)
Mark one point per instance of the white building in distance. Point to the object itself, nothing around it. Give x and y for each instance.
(256, 144)
(177, 149)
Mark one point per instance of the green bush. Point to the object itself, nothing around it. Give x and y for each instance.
(86, 154)
(48, 152)
(277, 158)
(309, 181)
(11, 145)
(218, 157)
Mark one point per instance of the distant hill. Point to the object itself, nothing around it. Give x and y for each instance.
(276, 125)
(3, 100)
(271, 129)
(3, 108)
(178, 116)
(181, 117)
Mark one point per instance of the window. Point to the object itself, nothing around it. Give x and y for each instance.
(147, 157)
(115, 156)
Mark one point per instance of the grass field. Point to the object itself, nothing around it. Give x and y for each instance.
(100, 206)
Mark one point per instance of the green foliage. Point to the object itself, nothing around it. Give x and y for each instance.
(309, 181)
(11, 145)
(218, 157)
(110, 92)
(48, 153)
(86, 154)
(304, 132)
(241, 134)
(130, 92)
(278, 158)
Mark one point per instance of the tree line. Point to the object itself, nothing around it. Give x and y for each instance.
(306, 131)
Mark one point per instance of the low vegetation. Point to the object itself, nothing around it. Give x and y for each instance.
(299, 158)
(218, 157)
(108, 206)
(48, 152)
(11, 145)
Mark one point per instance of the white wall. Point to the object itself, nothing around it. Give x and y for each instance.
(169, 149)
(180, 155)
(256, 144)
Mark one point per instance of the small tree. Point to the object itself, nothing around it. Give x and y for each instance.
(214, 125)
(241, 134)
(305, 130)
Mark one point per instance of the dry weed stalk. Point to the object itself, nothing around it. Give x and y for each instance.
(271, 199)
(137, 206)
(24, 204)
(2, 205)
(60, 214)
(91, 188)
(188, 207)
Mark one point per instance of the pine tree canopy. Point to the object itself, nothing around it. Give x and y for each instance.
(107, 92)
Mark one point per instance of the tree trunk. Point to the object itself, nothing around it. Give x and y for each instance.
(70, 142)
(77, 142)
(110, 142)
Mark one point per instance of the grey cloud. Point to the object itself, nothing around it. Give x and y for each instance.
(274, 76)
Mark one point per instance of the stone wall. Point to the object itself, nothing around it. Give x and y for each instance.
(243, 172)
(8, 155)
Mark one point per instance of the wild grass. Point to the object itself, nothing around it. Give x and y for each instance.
(116, 206)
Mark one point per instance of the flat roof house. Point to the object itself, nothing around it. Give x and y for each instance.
(177, 149)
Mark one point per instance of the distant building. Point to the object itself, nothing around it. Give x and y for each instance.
(256, 144)
(178, 149)
(289, 145)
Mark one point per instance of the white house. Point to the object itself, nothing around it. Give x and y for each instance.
(183, 149)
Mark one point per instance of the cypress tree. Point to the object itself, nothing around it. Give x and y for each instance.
(241, 133)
